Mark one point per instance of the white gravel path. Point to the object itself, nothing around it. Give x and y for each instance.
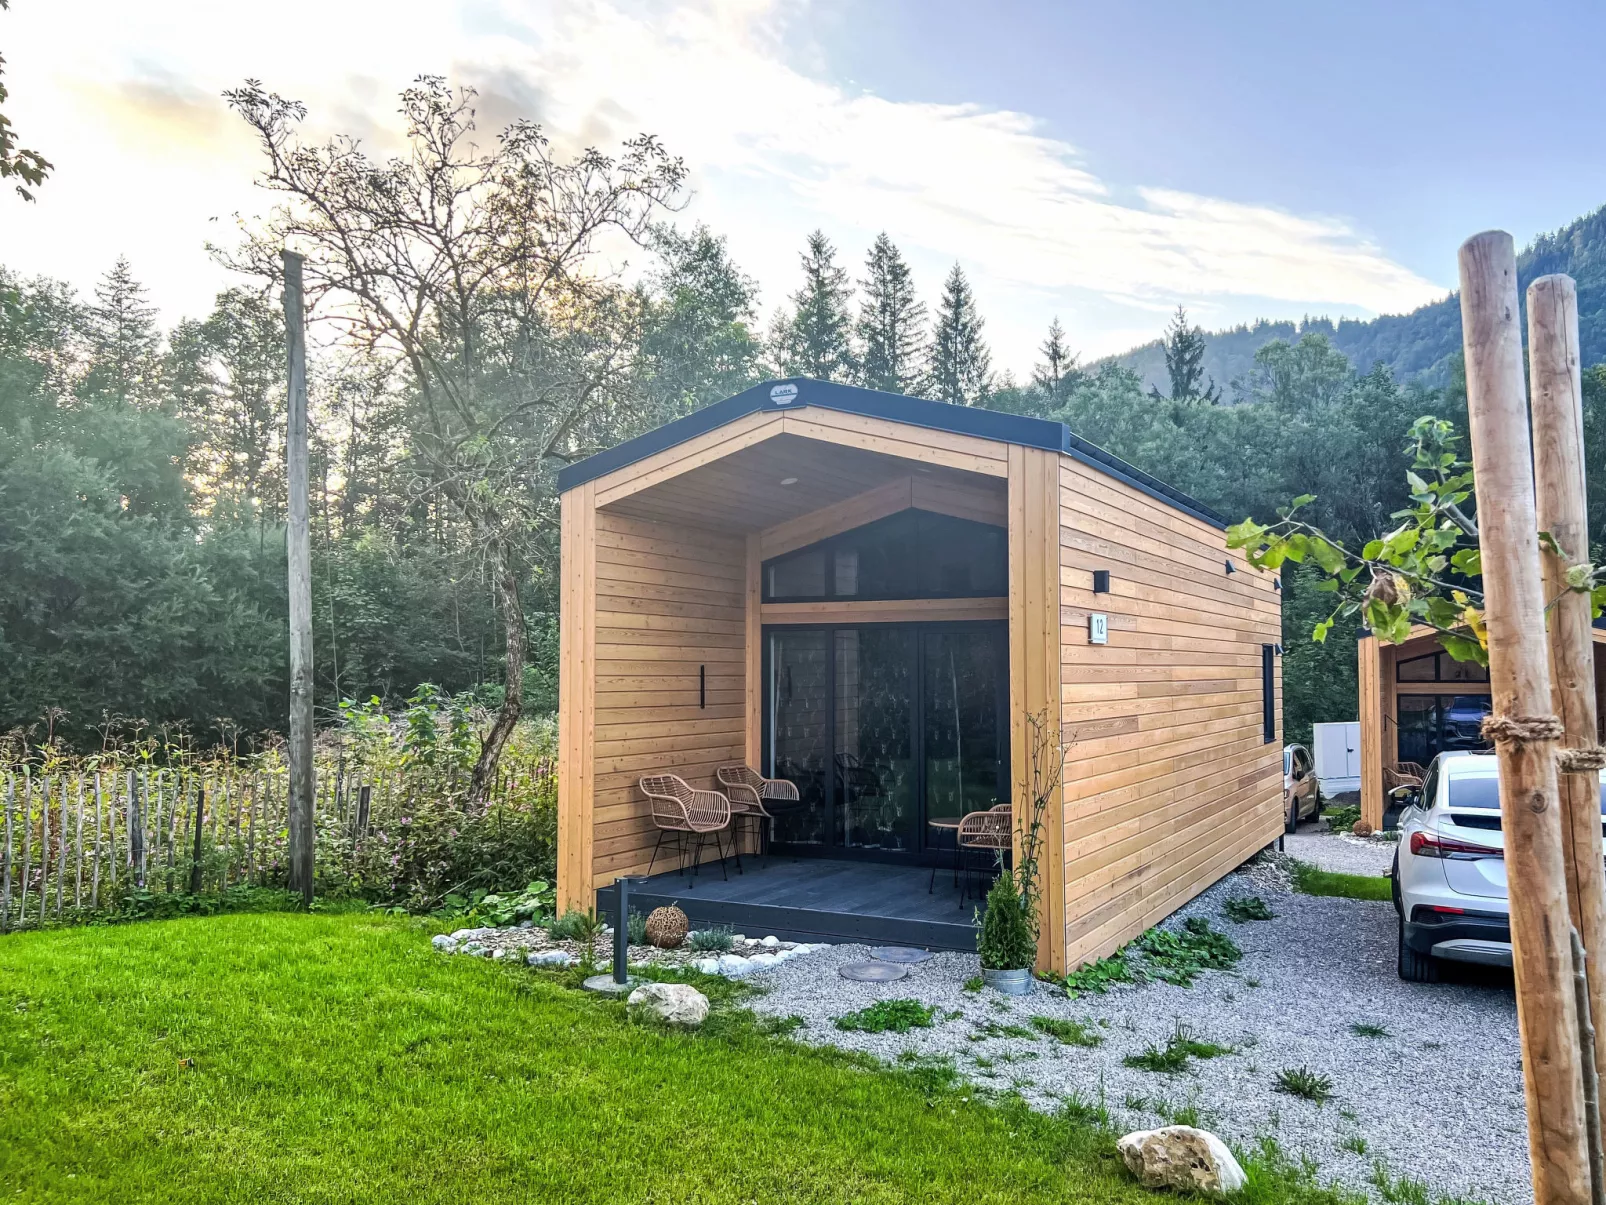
(1340, 852)
(1439, 1099)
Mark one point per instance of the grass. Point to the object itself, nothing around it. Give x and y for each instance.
(975, 983)
(1313, 881)
(1243, 908)
(1069, 1032)
(888, 1016)
(1176, 1055)
(318, 1059)
(1305, 1083)
(1353, 1143)
(993, 1029)
(1368, 1029)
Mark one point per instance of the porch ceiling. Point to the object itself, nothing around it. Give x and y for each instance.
(742, 492)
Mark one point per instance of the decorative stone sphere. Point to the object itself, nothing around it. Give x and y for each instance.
(666, 927)
(1361, 829)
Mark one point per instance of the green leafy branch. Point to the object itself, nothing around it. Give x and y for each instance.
(1424, 571)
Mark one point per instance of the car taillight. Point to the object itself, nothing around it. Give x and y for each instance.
(1431, 845)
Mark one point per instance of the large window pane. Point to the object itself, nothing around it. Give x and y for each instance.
(963, 672)
(875, 767)
(912, 554)
(800, 576)
(800, 730)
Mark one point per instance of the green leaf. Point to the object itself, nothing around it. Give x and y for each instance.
(1461, 648)
(1241, 535)
(1328, 585)
(1302, 500)
(1373, 550)
(1326, 554)
(1319, 633)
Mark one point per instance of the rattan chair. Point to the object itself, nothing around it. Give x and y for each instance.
(1403, 774)
(992, 831)
(755, 798)
(692, 816)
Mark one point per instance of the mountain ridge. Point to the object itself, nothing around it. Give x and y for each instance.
(1420, 345)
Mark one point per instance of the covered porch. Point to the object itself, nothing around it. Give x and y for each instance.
(1416, 702)
(831, 598)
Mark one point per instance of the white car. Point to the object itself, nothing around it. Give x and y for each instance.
(1450, 870)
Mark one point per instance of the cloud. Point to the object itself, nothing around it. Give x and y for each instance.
(775, 150)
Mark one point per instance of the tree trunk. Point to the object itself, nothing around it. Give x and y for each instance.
(507, 591)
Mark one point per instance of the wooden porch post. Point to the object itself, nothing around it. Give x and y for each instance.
(1521, 720)
(1558, 422)
(1369, 678)
(1034, 665)
(577, 698)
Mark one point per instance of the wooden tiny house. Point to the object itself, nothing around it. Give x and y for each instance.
(1416, 702)
(867, 594)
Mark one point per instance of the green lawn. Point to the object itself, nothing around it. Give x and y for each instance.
(1313, 881)
(336, 1058)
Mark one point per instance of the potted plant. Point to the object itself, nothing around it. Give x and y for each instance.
(1007, 940)
(1006, 944)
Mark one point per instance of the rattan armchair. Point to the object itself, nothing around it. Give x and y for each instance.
(1403, 774)
(690, 815)
(755, 797)
(991, 831)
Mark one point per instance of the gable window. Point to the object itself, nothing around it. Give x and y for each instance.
(1439, 667)
(912, 554)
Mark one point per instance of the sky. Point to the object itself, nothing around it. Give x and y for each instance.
(1102, 163)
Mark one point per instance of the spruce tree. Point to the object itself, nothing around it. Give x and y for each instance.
(812, 339)
(891, 322)
(1059, 362)
(959, 366)
(1184, 348)
(123, 337)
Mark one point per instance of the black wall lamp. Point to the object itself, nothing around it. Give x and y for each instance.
(1101, 581)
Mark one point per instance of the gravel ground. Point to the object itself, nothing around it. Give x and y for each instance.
(1340, 852)
(1439, 1099)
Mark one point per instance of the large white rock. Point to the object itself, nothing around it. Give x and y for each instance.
(771, 942)
(444, 943)
(734, 965)
(1181, 1157)
(671, 1003)
(708, 966)
(759, 961)
(549, 958)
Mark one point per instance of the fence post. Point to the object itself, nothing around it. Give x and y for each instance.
(5, 871)
(27, 843)
(1521, 723)
(94, 878)
(44, 853)
(78, 850)
(195, 854)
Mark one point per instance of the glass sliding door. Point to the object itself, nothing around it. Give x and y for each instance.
(800, 730)
(875, 738)
(964, 697)
(885, 727)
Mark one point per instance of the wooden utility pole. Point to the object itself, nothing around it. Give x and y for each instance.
(1558, 420)
(1521, 724)
(302, 837)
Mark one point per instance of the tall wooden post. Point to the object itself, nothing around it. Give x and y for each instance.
(1521, 723)
(1558, 420)
(300, 550)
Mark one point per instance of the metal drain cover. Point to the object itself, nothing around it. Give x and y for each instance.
(904, 954)
(873, 972)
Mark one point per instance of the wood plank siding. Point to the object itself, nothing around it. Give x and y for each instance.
(1169, 783)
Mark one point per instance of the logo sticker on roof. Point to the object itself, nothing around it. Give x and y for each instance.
(781, 395)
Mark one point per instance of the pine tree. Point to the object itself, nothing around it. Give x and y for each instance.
(1059, 361)
(891, 322)
(959, 366)
(812, 340)
(1184, 348)
(123, 336)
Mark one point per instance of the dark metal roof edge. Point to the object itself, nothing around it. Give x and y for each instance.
(895, 407)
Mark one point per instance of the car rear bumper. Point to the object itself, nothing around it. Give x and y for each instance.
(1468, 937)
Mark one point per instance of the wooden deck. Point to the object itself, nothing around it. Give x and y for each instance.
(816, 899)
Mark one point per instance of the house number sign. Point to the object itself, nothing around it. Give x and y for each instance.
(1098, 629)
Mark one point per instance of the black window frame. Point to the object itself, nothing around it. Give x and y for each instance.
(1438, 670)
(828, 548)
(1268, 693)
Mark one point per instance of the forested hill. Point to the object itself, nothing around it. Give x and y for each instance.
(1417, 345)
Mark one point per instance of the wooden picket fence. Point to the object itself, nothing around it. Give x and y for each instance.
(76, 838)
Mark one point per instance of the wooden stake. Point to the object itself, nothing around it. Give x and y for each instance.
(5, 870)
(78, 849)
(1519, 675)
(61, 843)
(1562, 510)
(94, 877)
(300, 556)
(27, 844)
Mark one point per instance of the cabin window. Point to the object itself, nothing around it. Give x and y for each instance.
(912, 554)
(1439, 667)
(1268, 692)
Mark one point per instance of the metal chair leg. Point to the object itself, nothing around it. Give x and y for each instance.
(736, 849)
(655, 848)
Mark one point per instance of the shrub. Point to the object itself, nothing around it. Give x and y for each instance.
(637, 928)
(895, 1016)
(1343, 819)
(1005, 942)
(1177, 958)
(712, 939)
(574, 925)
(533, 903)
(975, 983)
